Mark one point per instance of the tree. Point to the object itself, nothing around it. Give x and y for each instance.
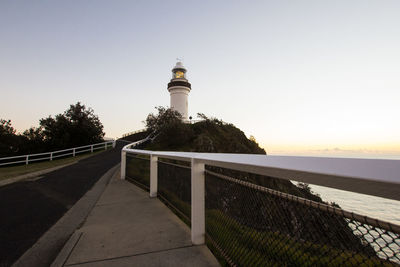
(168, 127)
(75, 127)
(34, 141)
(9, 141)
(253, 139)
(165, 118)
(202, 116)
(6, 128)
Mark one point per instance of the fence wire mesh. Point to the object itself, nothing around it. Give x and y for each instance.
(138, 170)
(174, 187)
(252, 225)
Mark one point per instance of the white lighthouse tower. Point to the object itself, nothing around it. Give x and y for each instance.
(179, 89)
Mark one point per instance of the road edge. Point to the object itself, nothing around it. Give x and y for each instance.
(15, 179)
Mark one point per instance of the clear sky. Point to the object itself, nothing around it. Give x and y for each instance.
(303, 77)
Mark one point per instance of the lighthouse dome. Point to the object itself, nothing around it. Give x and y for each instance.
(179, 66)
(179, 71)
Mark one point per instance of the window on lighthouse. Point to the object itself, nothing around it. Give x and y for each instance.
(179, 74)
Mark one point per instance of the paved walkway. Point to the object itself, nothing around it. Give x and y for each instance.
(127, 228)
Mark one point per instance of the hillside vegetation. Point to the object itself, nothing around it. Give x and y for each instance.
(241, 218)
(209, 135)
(213, 136)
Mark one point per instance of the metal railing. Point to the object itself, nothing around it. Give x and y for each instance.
(250, 224)
(26, 159)
(134, 132)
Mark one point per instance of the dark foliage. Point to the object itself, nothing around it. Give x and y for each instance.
(165, 118)
(77, 126)
(215, 136)
(253, 227)
(10, 142)
(208, 135)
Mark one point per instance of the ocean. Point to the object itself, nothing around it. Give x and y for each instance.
(375, 207)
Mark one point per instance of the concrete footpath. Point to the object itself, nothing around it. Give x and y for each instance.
(127, 228)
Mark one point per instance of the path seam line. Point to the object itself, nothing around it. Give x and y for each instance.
(70, 252)
(132, 255)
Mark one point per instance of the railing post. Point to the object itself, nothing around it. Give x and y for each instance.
(91, 149)
(73, 152)
(123, 164)
(114, 144)
(51, 156)
(27, 160)
(153, 175)
(198, 205)
(105, 146)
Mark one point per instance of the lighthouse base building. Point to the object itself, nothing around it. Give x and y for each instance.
(179, 89)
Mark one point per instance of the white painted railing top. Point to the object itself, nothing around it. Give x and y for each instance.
(54, 154)
(134, 132)
(123, 154)
(377, 177)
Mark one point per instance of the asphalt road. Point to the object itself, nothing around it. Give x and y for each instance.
(29, 208)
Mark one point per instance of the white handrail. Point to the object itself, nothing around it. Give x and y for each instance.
(377, 177)
(123, 155)
(374, 177)
(134, 132)
(51, 155)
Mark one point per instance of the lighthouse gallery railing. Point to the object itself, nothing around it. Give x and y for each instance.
(249, 224)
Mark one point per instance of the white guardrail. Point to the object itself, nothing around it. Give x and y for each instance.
(134, 132)
(374, 177)
(55, 154)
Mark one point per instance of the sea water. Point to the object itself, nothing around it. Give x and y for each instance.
(376, 207)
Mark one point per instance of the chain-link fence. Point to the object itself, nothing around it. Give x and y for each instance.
(174, 187)
(138, 170)
(254, 220)
(251, 225)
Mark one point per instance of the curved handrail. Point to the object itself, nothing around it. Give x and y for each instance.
(376, 177)
(123, 154)
(367, 176)
(134, 132)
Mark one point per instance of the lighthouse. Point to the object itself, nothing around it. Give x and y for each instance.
(179, 89)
